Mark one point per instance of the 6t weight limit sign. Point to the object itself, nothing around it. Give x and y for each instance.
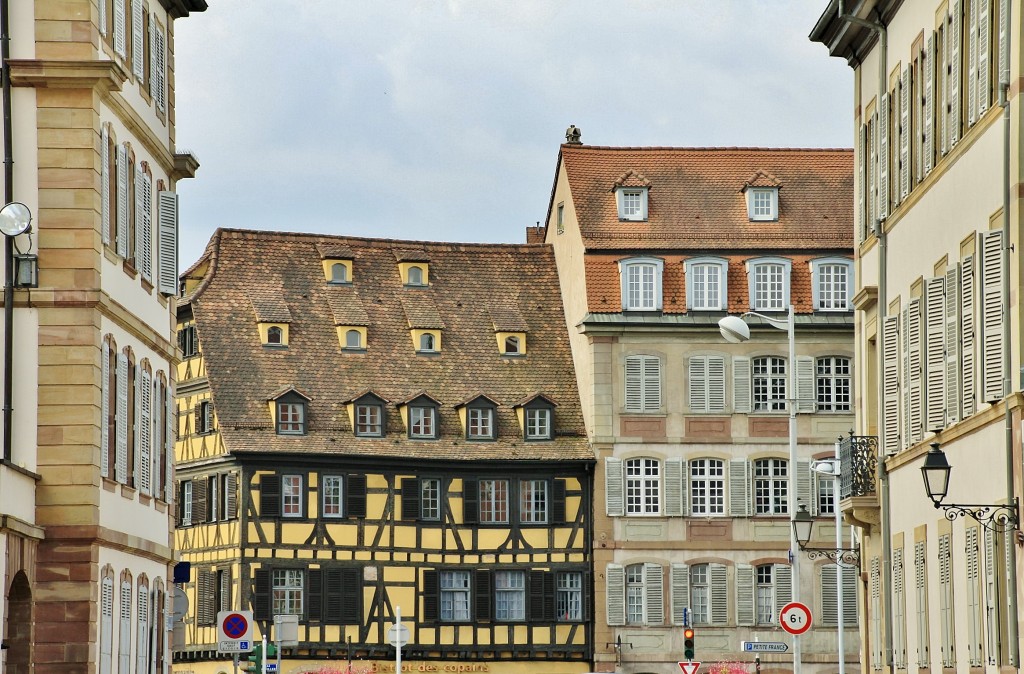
(795, 618)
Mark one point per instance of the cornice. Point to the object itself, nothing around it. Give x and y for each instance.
(103, 76)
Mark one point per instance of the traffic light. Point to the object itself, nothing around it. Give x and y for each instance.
(271, 651)
(688, 648)
(255, 659)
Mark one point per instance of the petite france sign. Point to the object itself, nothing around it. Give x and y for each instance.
(764, 646)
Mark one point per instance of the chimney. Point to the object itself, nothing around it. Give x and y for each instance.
(572, 135)
(535, 234)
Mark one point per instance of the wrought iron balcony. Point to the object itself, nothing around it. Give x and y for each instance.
(858, 458)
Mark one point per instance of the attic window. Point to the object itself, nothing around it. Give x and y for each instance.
(632, 203)
(427, 342)
(763, 203)
(415, 276)
(512, 345)
(339, 273)
(275, 336)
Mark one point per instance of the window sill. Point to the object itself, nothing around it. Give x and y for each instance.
(371, 436)
(339, 283)
(275, 346)
(353, 349)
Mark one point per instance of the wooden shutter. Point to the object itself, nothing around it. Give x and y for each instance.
(680, 589)
(935, 355)
(355, 495)
(206, 594)
(105, 179)
(890, 385)
(200, 502)
(974, 628)
(991, 315)
(105, 410)
(984, 57)
(955, 49)
(1003, 42)
(225, 589)
(261, 595)
(945, 603)
(921, 585)
(167, 243)
(716, 384)
(883, 157)
(698, 388)
(482, 594)
(120, 28)
(106, 625)
(803, 486)
(542, 596)
(652, 384)
(654, 594)
(470, 502)
(739, 488)
(951, 343)
(929, 104)
(146, 433)
(431, 596)
(972, 64)
(142, 623)
(873, 170)
(914, 395)
(270, 495)
(159, 89)
(144, 228)
(332, 593)
(314, 595)
(783, 576)
(850, 575)
(140, 212)
(121, 170)
(675, 486)
(614, 493)
(719, 591)
(121, 463)
(410, 498)
(905, 133)
(741, 384)
(805, 392)
(968, 342)
(862, 219)
(942, 82)
(829, 595)
(615, 594)
(634, 383)
(138, 40)
(231, 495)
(124, 644)
(745, 614)
(171, 419)
(558, 514)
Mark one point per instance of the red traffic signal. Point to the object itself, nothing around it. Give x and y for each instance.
(689, 651)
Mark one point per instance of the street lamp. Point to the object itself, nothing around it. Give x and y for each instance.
(15, 220)
(996, 517)
(802, 525)
(735, 330)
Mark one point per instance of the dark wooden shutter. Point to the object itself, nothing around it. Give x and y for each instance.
(225, 589)
(558, 502)
(351, 592)
(270, 496)
(179, 505)
(355, 500)
(549, 595)
(410, 499)
(231, 496)
(261, 595)
(206, 610)
(200, 507)
(470, 502)
(314, 594)
(332, 594)
(586, 596)
(431, 596)
(536, 605)
(482, 594)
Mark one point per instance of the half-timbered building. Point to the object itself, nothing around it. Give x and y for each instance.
(368, 427)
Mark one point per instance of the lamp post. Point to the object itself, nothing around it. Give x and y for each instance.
(15, 219)
(996, 517)
(735, 330)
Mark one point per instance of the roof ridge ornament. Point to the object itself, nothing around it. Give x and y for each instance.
(573, 135)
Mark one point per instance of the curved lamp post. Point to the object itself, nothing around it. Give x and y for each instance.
(996, 517)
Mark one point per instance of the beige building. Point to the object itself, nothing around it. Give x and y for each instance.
(86, 477)
(938, 317)
(691, 434)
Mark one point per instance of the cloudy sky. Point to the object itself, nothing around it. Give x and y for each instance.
(441, 119)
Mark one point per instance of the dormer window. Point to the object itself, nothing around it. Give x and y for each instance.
(832, 284)
(769, 283)
(536, 414)
(763, 203)
(479, 418)
(275, 336)
(289, 410)
(415, 276)
(339, 273)
(706, 284)
(353, 340)
(632, 203)
(367, 414)
(512, 345)
(426, 342)
(422, 422)
(641, 284)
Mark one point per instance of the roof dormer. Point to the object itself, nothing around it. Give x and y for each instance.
(413, 267)
(289, 410)
(272, 317)
(631, 196)
(337, 263)
(762, 192)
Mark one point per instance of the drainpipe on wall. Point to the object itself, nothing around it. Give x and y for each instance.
(5, 73)
(883, 306)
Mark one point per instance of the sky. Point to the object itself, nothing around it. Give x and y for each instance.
(441, 119)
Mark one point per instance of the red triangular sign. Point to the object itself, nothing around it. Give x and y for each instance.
(689, 667)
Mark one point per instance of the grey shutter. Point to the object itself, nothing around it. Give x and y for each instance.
(890, 385)
(899, 633)
(946, 654)
(929, 104)
(951, 343)
(121, 462)
(942, 82)
(136, 430)
(862, 219)
(105, 410)
(103, 20)
(719, 609)
(745, 595)
(873, 172)
(170, 418)
(145, 462)
(142, 621)
(614, 495)
(120, 27)
(741, 384)
(652, 384)
(803, 486)
(698, 388)
(105, 179)
(153, 30)
(615, 593)
(883, 157)
(122, 200)
(991, 315)
(634, 383)
(675, 486)
(654, 594)
(167, 253)
(984, 46)
(124, 647)
(905, 133)
(974, 628)
(680, 588)
(782, 574)
(935, 356)
(955, 49)
(145, 230)
(739, 488)
(159, 88)
(805, 392)
(231, 496)
(829, 595)
(1004, 42)
(972, 64)
(138, 40)
(716, 383)
(915, 371)
(968, 343)
(140, 210)
(850, 575)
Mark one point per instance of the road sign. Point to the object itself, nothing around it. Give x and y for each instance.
(689, 667)
(764, 646)
(271, 667)
(234, 631)
(398, 635)
(795, 618)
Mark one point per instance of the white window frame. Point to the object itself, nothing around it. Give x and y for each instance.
(766, 382)
(707, 487)
(430, 499)
(643, 486)
(422, 422)
(641, 300)
(186, 503)
(569, 596)
(764, 594)
(538, 423)
(494, 501)
(700, 594)
(636, 592)
(365, 413)
(291, 495)
(415, 276)
(339, 274)
(533, 501)
(480, 423)
(825, 494)
(643, 384)
(287, 587)
(509, 595)
(631, 203)
(763, 203)
(826, 295)
(454, 596)
(332, 502)
(757, 269)
(295, 423)
(771, 486)
(697, 284)
(353, 339)
(832, 387)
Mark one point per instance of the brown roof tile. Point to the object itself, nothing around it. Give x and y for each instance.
(346, 307)
(411, 255)
(269, 305)
(420, 311)
(334, 252)
(762, 179)
(508, 318)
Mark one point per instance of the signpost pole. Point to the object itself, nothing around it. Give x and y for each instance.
(398, 646)
(235, 663)
(263, 656)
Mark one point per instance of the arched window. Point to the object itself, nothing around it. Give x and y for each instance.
(415, 276)
(274, 335)
(339, 273)
(353, 340)
(426, 342)
(511, 345)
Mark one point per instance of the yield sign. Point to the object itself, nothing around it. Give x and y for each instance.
(689, 667)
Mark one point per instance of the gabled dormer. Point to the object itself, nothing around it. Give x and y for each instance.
(631, 190)
(337, 263)
(413, 267)
(367, 412)
(420, 416)
(289, 408)
(536, 414)
(762, 194)
(479, 417)
(273, 317)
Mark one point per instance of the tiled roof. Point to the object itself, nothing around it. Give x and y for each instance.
(346, 307)
(269, 305)
(467, 282)
(508, 318)
(762, 179)
(420, 311)
(411, 255)
(334, 252)
(696, 201)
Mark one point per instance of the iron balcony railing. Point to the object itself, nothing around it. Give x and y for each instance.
(858, 459)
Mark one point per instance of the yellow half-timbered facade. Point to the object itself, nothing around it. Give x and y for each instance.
(383, 454)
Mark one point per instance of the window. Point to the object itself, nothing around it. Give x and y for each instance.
(509, 595)
(493, 501)
(771, 486)
(157, 68)
(569, 596)
(533, 501)
(641, 284)
(763, 203)
(286, 593)
(560, 221)
(455, 596)
(339, 273)
(635, 594)
(826, 494)
(700, 596)
(369, 420)
(769, 284)
(188, 342)
(422, 422)
(275, 335)
(106, 624)
(353, 339)
(430, 499)
(833, 280)
(765, 595)
(632, 203)
(511, 345)
(332, 494)
(291, 496)
(290, 418)
(186, 503)
(415, 276)
(769, 383)
(830, 599)
(643, 384)
(643, 487)
(204, 417)
(538, 423)
(706, 284)
(480, 423)
(427, 342)
(213, 497)
(707, 487)
(706, 383)
(833, 384)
